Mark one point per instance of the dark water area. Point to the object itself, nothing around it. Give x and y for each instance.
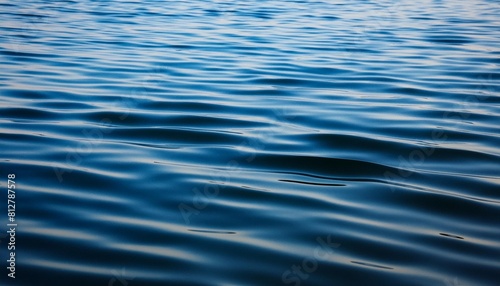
(250, 142)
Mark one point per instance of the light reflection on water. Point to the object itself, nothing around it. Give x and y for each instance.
(221, 143)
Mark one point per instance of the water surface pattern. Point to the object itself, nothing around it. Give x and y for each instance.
(252, 142)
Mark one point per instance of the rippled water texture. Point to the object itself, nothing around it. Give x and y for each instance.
(251, 142)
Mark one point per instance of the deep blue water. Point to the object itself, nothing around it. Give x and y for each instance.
(251, 142)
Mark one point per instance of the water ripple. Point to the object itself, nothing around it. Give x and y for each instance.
(252, 143)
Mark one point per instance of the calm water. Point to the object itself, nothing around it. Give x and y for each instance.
(251, 142)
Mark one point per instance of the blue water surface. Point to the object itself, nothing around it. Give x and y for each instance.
(279, 142)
